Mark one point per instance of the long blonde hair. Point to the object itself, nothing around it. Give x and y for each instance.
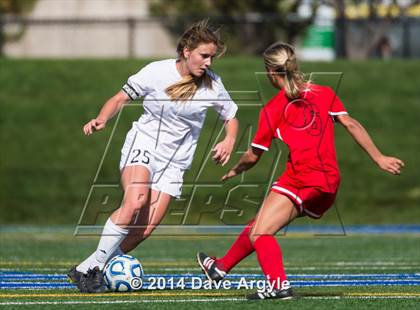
(195, 35)
(281, 58)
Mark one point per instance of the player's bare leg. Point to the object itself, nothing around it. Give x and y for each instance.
(135, 181)
(147, 220)
(276, 212)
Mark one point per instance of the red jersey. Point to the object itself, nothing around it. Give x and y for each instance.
(306, 125)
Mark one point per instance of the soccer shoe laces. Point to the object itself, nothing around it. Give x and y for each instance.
(209, 267)
(210, 264)
(269, 293)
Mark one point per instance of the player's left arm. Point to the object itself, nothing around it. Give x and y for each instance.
(223, 149)
(361, 136)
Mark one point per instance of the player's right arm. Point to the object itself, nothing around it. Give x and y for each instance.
(109, 109)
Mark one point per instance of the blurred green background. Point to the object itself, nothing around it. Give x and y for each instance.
(47, 165)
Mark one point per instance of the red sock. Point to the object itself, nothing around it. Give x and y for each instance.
(270, 259)
(240, 249)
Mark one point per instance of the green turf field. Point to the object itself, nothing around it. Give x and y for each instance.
(42, 252)
(47, 169)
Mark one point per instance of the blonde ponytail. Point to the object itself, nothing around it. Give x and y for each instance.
(281, 57)
(197, 34)
(186, 88)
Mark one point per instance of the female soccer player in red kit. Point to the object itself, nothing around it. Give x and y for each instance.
(302, 115)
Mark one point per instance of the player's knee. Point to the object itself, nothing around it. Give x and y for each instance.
(253, 237)
(133, 206)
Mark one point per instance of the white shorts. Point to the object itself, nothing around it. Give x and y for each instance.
(138, 151)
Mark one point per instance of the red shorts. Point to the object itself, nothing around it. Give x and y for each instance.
(310, 201)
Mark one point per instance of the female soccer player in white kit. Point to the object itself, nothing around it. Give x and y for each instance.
(160, 146)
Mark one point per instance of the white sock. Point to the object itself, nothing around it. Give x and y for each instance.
(111, 238)
(89, 262)
(85, 265)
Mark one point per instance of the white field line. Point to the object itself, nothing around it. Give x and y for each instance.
(155, 262)
(375, 263)
(104, 302)
(192, 268)
(59, 276)
(77, 302)
(362, 297)
(290, 268)
(296, 268)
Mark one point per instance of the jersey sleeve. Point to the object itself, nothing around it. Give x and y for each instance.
(224, 104)
(265, 131)
(138, 84)
(336, 107)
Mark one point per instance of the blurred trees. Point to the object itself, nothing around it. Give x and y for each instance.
(364, 28)
(12, 7)
(249, 25)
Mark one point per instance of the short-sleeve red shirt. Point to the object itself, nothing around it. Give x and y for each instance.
(306, 126)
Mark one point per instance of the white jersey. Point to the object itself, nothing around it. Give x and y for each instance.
(173, 128)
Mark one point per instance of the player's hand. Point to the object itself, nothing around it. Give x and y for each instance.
(231, 173)
(222, 151)
(95, 124)
(390, 164)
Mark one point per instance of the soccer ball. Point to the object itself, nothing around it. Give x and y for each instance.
(123, 273)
